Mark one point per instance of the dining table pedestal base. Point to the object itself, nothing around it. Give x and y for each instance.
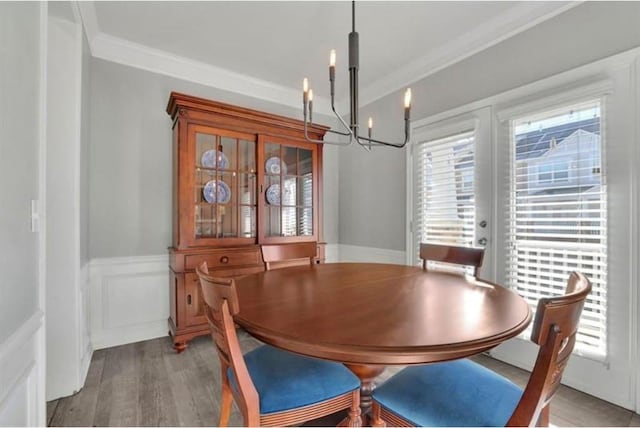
(367, 375)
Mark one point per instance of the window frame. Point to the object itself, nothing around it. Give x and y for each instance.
(600, 90)
(550, 182)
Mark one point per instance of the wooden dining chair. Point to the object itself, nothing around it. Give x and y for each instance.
(285, 255)
(272, 387)
(464, 393)
(466, 256)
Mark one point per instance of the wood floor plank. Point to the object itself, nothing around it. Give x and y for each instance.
(196, 404)
(155, 400)
(79, 409)
(51, 410)
(209, 383)
(117, 394)
(585, 410)
(148, 384)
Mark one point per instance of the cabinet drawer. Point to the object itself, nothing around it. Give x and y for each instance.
(225, 259)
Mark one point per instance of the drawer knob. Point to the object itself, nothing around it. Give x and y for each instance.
(224, 260)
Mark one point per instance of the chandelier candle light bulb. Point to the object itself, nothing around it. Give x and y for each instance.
(305, 95)
(311, 105)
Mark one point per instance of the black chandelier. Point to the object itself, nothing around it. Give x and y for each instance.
(352, 129)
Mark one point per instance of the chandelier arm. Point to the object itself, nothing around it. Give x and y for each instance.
(367, 146)
(346, 126)
(345, 134)
(407, 133)
(384, 143)
(335, 143)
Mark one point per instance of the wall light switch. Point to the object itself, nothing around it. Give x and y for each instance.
(35, 216)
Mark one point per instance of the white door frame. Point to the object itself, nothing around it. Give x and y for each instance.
(478, 121)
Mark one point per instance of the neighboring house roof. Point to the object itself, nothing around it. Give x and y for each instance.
(536, 143)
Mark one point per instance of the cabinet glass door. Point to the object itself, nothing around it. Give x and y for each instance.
(288, 187)
(224, 185)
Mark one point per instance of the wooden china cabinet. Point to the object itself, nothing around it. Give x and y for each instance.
(241, 178)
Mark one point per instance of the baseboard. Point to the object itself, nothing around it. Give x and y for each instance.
(354, 253)
(331, 253)
(86, 347)
(21, 386)
(129, 299)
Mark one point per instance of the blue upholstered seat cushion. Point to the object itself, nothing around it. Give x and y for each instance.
(457, 393)
(285, 380)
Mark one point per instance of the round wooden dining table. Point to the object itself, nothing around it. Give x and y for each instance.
(370, 315)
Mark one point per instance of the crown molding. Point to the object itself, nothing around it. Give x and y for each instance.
(136, 55)
(157, 61)
(490, 33)
(89, 20)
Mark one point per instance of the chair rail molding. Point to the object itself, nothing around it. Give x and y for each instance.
(21, 390)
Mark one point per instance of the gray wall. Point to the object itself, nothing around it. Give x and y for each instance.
(19, 134)
(130, 159)
(372, 208)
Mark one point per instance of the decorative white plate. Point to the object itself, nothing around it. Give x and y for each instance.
(274, 165)
(216, 191)
(208, 159)
(273, 194)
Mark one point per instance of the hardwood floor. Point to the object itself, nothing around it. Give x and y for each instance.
(148, 384)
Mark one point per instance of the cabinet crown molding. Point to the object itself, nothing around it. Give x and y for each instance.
(182, 104)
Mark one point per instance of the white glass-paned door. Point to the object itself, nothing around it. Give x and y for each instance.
(450, 186)
(444, 197)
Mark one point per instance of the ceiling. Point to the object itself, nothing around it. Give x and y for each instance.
(266, 48)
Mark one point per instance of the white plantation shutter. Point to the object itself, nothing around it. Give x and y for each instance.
(297, 210)
(288, 201)
(444, 200)
(557, 216)
(305, 219)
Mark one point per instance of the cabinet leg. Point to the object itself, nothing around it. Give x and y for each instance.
(180, 346)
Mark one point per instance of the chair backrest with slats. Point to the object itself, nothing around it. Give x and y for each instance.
(283, 255)
(221, 303)
(554, 330)
(451, 254)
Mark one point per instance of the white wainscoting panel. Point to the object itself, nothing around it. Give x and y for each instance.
(353, 253)
(129, 296)
(21, 386)
(129, 299)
